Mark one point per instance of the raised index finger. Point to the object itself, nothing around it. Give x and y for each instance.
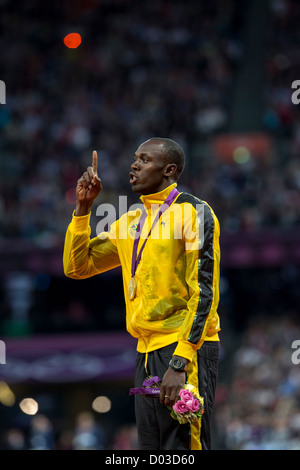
(95, 162)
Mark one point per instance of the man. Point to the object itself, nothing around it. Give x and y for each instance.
(170, 257)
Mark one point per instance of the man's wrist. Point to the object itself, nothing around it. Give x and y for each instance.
(178, 363)
(82, 209)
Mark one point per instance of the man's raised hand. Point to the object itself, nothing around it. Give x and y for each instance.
(88, 188)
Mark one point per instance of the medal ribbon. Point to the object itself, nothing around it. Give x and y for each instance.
(135, 260)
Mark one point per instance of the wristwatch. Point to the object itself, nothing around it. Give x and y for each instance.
(178, 364)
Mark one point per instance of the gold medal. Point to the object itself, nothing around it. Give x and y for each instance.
(132, 288)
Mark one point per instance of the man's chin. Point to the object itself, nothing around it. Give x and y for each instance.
(135, 189)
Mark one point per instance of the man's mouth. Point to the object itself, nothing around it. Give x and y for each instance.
(133, 178)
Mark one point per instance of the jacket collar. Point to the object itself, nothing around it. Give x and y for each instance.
(157, 198)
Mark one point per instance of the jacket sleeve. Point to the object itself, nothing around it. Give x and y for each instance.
(202, 279)
(84, 257)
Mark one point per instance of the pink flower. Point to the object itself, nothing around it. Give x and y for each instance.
(186, 395)
(193, 404)
(180, 407)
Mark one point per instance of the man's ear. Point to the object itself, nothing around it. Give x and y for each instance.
(170, 169)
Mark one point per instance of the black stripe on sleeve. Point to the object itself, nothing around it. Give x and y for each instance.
(205, 268)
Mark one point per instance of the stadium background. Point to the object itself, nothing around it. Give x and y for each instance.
(215, 76)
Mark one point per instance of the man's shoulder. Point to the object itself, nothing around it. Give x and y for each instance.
(185, 197)
(197, 203)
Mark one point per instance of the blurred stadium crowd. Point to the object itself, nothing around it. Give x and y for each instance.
(164, 68)
(259, 410)
(87, 433)
(143, 69)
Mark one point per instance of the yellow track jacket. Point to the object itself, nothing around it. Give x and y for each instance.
(177, 277)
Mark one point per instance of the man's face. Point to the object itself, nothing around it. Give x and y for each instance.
(148, 169)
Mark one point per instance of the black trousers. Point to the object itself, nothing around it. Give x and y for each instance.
(156, 429)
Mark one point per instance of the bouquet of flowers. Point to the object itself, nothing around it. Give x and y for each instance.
(188, 409)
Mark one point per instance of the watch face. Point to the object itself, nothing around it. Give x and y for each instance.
(177, 364)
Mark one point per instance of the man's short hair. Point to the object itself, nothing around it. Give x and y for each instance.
(174, 153)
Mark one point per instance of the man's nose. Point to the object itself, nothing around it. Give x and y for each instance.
(134, 165)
